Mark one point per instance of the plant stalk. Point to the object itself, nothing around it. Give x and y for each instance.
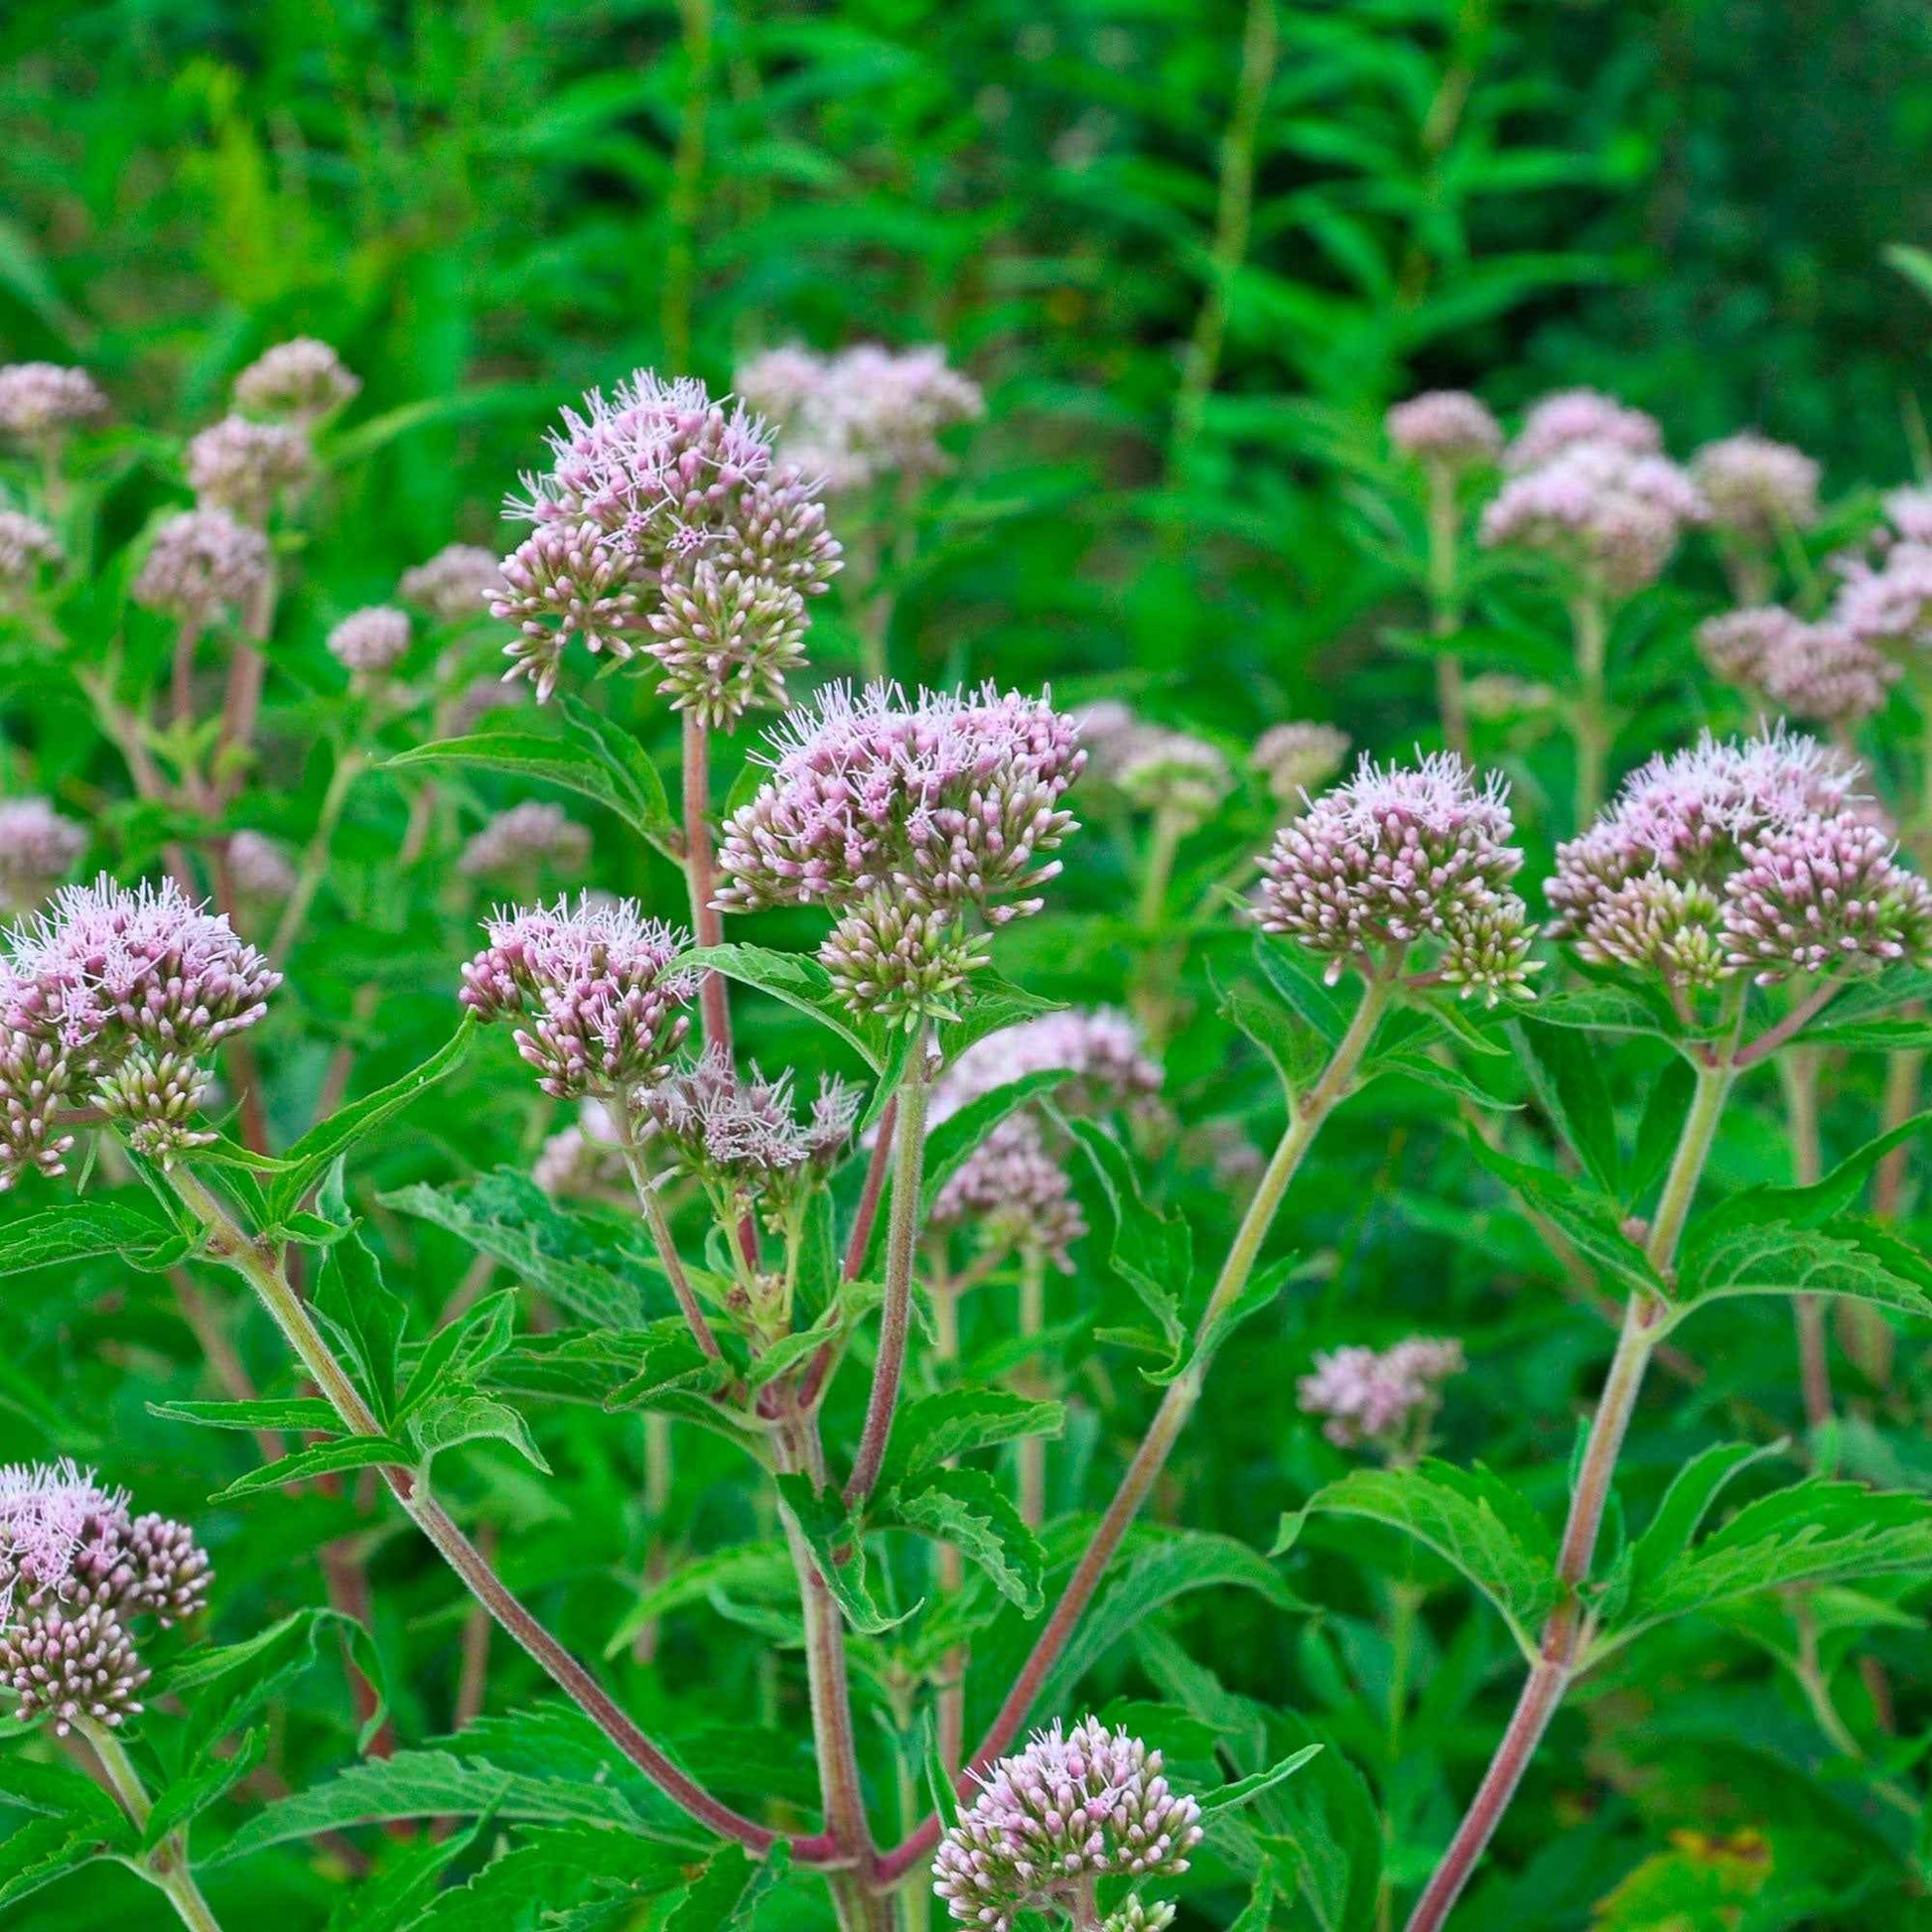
(1590, 630)
(166, 1866)
(1798, 1070)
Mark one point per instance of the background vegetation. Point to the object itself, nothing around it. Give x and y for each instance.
(1191, 250)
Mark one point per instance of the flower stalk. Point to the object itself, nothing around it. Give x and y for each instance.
(167, 1865)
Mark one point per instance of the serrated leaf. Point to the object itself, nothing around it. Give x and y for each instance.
(1588, 1218)
(1289, 972)
(1659, 1128)
(317, 1151)
(459, 1350)
(1686, 1502)
(1258, 1915)
(632, 774)
(44, 1850)
(838, 1551)
(726, 1896)
(505, 1215)
(970, 1510)
(325, 1458)
(366, 1316)
(1256, 1294)
(762, 1567)
(1567, 1077)
(987, 1004)
(81, 1229)
(670, 1364)
(449, 1420)
(289, 1411)
(1472, 1520)
(406, 1886)
(1327, 1832)
(1293, 1048)
(57, 1791)
(204, 1784)
(938, 1429)
(544, 1870)
(1607, 1009)
(1857, 1261)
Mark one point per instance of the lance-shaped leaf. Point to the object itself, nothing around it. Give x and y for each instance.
(1589, 1219)
(1470, 1518)
(948, 1145)
(726, 1896)
(1856, 1259)
(1227, 1796)
(938, 1429)
(838, 1553)
(801, 983)
(1153, 1253)
(78, 1230)
(972, 1511)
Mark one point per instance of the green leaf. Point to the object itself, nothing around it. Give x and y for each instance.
(313, 1154)
(79, 1229)
(1608, 1010)
(44, 1850)
(1293, 1048)
(505, 1215)
(1764, 1205)
(1471, 1519)
(1590, 1220)
(572, 759)
(838, 1551)
(1156, 1567)
(459, 1350)
(801, 983)
(987, 1004)
(1243, 1789)
(1686, 1502)
(762, 1569)
(206, 1783)
(1256, 1294)
(406, 1886)
(949, 1143)
(1814, 1532)
(1659, 1128)
(1293, 975)
(325, 1458)
(366, 1315)
(938, 1429)
(673, 1365)
(1258, 1915)
(972, 1511)
(1327, 1829)
(292, 1412)
(1567, 1073)
(632, 774)
(427, 1784)
(448, 1420)
(1432, 1069)
(726, 1896)
(59, 1791)
(1856, 1260)
(1153, 1253)
(550, 1871)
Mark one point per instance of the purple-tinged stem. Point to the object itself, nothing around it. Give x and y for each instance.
(660, 1229)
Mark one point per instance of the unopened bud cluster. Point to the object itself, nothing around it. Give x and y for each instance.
(28, 551)
(38, 849)
(201, 564)
(527, 840)
(664, 525)
(1756, 488)
(247, 467)
(1739, 856)
(1824, 672)
(905, 817)
(41, 401)
(1298, 758)
(301, 381)
(594, 980)
(454, 585)
(1446, 430)
(1401, 856)
(1071, 1808)
(370, 643)
(112, 999)
(77, 1572)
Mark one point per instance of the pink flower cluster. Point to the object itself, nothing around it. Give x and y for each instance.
(1572, 416)
(1297, 758)
(1379, 1396)
(663, 522)
(76, 1568)
(28, 548)
(1447, 430)
(299, 381)
(455, 583)
(112, 999)
(597, 982)
(1889, 607)
(526, 840)
(370, 643)
(201, 563)
(1012, 1191)
(1610, 513)
(41, 401)
(1756, 488)
(863, 414)
(248, 468)
(1739, 856)
(1400, 856)
(904, 816)
(38, 849)
(1092, 1803)
(1819, 671)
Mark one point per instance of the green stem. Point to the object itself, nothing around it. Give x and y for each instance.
(1566, 1630)
(1163, 845)
(1177, 1406)
(902, 1243)
(1444, 609)
(349, 765)
(624, 1114)
(1031, 1452)
(676, 299)
(1798, 1072)
(1590, 629)
(950, 1568)
(166, 1866)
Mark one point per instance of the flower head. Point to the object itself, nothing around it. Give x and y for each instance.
(1825, 672)
(1598, 509)
(1756, 488)
(595, 981)
(1734, 644)
(1397, 856)
(1174, 775)
(584, 1161)
(370, 643)
(298, 381)
(1297, 758)
(1889, 607)
(28, 549)
(38, 849)
(1445, 429)
(1910, 512)
(76, 1571)
(525, 840)
(455, 583)
(866, 413)
(663, 524)
(260, 869)
(201, 563)
(1572, 416)
(248, 468)
(1738, 855)
(904, 816)
(1090, 1803)
(111, 997)
(1381, 1397)
(41, 401)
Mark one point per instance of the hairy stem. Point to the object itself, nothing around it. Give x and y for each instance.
(1170, 1419)
(167, 1865)
(1563, 1632)
(700, 869)
(255, 1261)
(950, 1567)
(901, 1245)
(1590, 632)
(625, 1116)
